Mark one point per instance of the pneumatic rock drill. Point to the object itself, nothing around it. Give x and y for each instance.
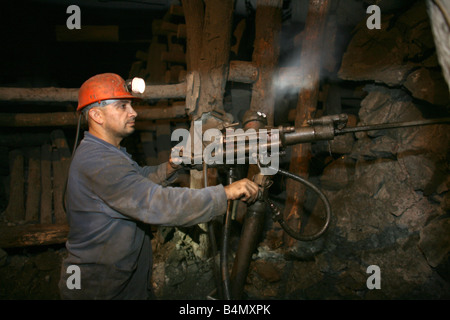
(270, 144)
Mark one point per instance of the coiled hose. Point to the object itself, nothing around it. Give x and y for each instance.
(277, 216)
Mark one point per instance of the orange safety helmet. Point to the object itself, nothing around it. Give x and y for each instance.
(101, 87)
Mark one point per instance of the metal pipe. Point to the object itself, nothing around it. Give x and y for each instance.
(309, 134)
(253, 226)
(212, 237)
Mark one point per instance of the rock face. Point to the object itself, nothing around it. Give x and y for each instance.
(400, 54)
(435, 245)
(428, 85)
(388, 198)
(31, 274)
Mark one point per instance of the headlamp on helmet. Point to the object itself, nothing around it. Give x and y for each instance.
(136, 85)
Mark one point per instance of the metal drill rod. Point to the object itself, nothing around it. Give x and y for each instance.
(393, 125)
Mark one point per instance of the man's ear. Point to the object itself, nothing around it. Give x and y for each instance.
(96, 115)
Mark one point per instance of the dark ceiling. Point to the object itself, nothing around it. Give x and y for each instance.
(32, 56)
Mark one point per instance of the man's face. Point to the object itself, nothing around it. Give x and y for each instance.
(119, 118)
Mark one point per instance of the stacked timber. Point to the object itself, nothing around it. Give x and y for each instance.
(165, 60)
(163, 64)
(35, 212)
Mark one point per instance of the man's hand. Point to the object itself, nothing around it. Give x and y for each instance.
(244, 190)
(171, 166)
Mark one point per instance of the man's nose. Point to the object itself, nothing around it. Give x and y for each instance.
(132, 112)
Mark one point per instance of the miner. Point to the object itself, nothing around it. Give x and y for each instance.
(111, 201)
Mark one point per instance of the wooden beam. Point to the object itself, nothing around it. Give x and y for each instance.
(33, 186)
(176, 10)
(59, 141)
(32, 235)
(58, 187)
(168, 27)
(310, 64)
(265, 55)
(208, 32)
(50, 94)
(181, 31)
(160, 113)
(163, 28)
(170, 91)
(15, 211)
(243, 71)
(238, 71)
(65, 119)
(71, 95)
(88, 34)
(155, 68)
(46, 185)
(173, 57)
(173, 74)
(141, 55)
(61, 157)
(214, 57)
(237, 34)
(194, 13)
(265, 59)
(38, 119)
(163, 143)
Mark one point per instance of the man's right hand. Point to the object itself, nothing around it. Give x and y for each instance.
(244, 190)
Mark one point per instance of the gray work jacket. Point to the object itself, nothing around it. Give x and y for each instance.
(111, 201)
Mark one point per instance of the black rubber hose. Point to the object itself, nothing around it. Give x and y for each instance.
(212, 237)
(225, 240)
(224, 253)
(294, 234)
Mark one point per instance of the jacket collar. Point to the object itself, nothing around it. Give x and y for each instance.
(90, 137)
